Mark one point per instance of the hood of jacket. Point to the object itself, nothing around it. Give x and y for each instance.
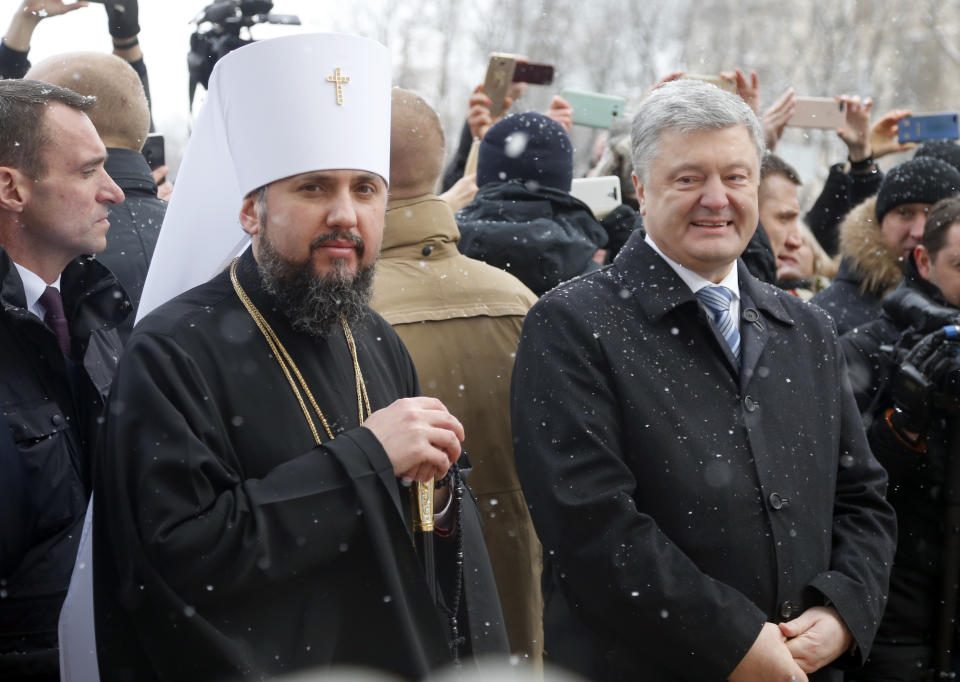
(875, 264)
(415, 222)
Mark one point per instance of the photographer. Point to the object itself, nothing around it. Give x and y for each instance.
(908, 436)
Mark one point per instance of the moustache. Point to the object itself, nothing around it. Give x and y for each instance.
(336, 237)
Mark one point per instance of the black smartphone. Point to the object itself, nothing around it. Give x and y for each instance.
(153, 150)
(535, 74)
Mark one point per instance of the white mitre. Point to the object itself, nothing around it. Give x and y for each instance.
(275, 108)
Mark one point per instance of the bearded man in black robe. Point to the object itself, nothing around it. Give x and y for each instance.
(253, 512)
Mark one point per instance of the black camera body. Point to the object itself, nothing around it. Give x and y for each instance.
(218, 32)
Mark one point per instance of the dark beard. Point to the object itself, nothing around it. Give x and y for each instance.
(314, 303)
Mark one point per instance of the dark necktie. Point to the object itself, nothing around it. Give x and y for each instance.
(718, 299)
(55, 318)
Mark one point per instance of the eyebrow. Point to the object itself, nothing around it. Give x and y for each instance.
(323, 175)
(370, 177)
(733, 165)
(94, 162)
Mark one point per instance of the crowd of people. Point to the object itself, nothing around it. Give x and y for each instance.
(711, 435)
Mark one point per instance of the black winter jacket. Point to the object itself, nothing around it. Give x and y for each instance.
(542, 236)
(841, 192)
(868, 271)
(759, 258)
(16, 509)
(52, 407)
(454, 169)
(134, 224)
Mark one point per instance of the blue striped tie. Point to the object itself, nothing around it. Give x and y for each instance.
(718, 299)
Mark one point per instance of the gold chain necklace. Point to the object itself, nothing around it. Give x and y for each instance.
(297, 383)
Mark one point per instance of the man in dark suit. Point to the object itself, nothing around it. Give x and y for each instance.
(687, 440)
(59, 346)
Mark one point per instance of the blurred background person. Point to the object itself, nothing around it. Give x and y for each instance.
(460, 319)
(804, 268)
(879, 234)
(849, 184)
(523, 218)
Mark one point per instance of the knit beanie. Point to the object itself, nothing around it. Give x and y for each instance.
(528, 147)
(918, 181)
(943, 150)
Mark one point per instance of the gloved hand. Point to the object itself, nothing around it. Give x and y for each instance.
(943, 368)
(123, 18)
(912, 398)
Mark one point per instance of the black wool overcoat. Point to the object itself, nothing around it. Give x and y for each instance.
(683, 501)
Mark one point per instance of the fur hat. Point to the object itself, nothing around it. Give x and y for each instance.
(922, 180)
(528, 147)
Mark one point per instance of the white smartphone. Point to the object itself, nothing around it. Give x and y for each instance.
(819, 112)
(601, 194)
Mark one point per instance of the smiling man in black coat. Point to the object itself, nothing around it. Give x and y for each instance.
(693, 527)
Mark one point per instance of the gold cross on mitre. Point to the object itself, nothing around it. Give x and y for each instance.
(339, 79)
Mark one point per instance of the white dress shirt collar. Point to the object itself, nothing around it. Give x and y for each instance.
(697, 282)
(33, 288)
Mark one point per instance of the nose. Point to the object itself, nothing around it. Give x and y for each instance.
(110, 192)
(916, 225)
(342, 213)
(793, 241)
(714, 194)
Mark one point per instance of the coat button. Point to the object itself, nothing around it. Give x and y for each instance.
(427, 250)
(751, 315)
(750, 404)
(787, 610)
(777, 501)
(56, 419)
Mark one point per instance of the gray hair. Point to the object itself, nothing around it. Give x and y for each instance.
(688, 106)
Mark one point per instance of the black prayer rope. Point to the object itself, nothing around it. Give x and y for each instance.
(456, 639)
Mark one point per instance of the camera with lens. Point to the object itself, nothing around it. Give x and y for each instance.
(926, 360)
(218, 32)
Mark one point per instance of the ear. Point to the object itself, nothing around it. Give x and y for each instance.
(639, 187)
(14, 189)
(922, 257)
(250, 215)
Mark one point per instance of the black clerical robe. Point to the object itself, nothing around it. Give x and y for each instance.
(226, 543)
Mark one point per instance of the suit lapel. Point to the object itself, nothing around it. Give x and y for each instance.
(658, 290)
(754, 333)
(760, 309)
